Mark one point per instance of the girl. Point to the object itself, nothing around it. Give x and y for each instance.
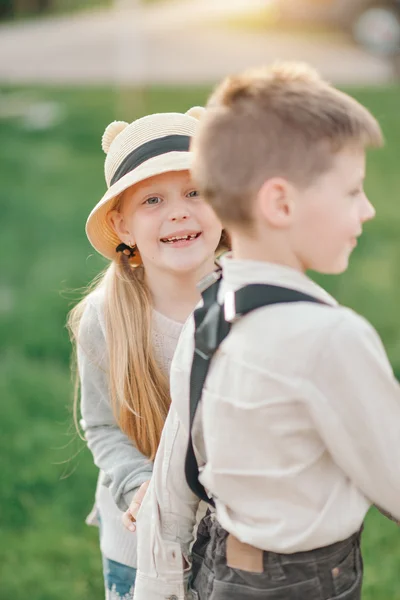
(161, 239)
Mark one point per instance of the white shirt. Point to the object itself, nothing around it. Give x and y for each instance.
(298, 432)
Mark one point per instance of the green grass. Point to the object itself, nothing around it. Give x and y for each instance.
(50, 181)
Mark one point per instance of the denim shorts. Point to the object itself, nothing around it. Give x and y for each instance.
(119, 580)
(331, 573)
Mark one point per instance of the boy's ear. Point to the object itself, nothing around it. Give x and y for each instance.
(275, 202)
(116, 221)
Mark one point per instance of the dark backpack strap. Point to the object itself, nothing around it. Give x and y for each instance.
(209, 324)
(212, 324)
(257, 295)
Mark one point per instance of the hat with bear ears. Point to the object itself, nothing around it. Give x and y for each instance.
(135, 151)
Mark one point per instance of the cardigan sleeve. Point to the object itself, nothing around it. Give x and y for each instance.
(124, 466)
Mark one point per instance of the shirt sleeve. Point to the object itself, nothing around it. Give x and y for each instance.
(357, 411)
(166, 520)
(125, 468)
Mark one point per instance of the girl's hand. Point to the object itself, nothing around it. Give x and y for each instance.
(129, 517)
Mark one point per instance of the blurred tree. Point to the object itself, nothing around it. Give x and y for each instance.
(6, 9)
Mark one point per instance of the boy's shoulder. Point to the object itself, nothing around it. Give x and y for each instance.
(323, 318)
(338, 322)
(299, 327)
(291, 337)
(339, 334)
(337, 318)
(349, 326)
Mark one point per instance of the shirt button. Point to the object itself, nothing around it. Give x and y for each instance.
(173, 597)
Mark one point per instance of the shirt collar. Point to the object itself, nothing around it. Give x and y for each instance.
(238, 273)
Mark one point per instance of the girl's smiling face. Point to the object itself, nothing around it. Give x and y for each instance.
(171, 225)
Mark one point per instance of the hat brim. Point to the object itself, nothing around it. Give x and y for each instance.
(98, 230)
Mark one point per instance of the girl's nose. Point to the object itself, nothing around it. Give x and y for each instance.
(179, 217)
(179, 210)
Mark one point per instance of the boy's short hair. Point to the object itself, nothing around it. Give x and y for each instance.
(281, 121)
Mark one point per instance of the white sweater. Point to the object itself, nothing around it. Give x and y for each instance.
(122, 467)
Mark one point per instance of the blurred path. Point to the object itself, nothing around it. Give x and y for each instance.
(175, 42)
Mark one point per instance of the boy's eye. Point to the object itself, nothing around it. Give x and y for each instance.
(153, 200)
(193, 194)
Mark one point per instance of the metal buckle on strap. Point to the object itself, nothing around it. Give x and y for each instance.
(230, 307)
(203, 355)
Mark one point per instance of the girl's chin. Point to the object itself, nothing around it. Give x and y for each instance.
(186, 263)
(184, 266)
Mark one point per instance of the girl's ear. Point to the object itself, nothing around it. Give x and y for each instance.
(117, 222)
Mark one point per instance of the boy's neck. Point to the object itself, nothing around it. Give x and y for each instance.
(274, 251)
(175, 295)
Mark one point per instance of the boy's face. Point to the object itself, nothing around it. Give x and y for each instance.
(329, 215)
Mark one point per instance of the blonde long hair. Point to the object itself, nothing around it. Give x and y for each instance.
(139, 389)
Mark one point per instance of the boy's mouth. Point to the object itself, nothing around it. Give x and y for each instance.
(354, 239)
(181, 238)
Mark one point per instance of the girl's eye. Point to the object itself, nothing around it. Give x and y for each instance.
(193, 194)
(153, 200)
(356, 193)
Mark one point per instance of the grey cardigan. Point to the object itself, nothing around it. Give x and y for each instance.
(123, 468)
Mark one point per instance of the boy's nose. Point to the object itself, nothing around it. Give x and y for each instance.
(369, 211)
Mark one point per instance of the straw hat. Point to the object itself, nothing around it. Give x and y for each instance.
(150, 146)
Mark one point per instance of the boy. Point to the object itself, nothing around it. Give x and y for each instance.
(298, 430)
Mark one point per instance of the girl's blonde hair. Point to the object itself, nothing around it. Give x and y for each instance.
(139, 389)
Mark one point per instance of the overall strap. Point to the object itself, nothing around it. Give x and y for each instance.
(209, 324)
(213, 323)
(257, 295)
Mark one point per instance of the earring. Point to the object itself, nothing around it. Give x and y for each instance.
(129, 251)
